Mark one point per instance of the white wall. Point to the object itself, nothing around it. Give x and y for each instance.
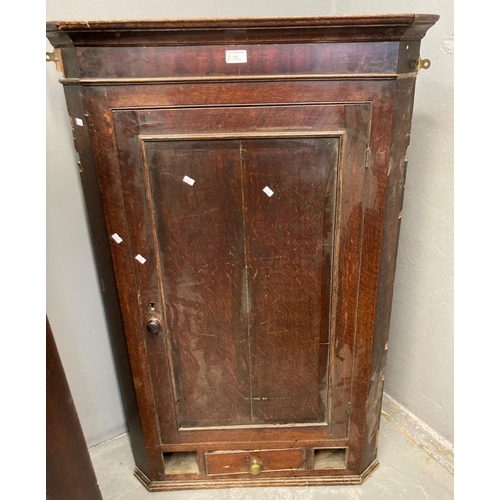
(74, 304)
(188, 9)
(420, 357)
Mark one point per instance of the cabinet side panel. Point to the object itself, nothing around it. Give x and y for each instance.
(403, 106)
(126, 268)
(375, 165)
(76, 107)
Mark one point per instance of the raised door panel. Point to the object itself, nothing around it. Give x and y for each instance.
(236, 212)
(198, 217)
(247, 274)
(289, 195)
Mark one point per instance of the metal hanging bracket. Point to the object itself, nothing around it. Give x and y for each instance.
(55, 57)
(421, 64)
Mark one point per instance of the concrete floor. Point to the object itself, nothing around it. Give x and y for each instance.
(406, 471)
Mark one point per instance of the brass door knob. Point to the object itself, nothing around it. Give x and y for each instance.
(254, 468)
(153, 326)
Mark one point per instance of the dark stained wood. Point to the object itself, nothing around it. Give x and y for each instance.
(401, 124)
(370, 217)
(245, 121)
(278, 59)
(271, 312)
(281, 478)
(409, 51)
(149, 293)
(68, 467)
(200, 246)
(240, 461)
(124, 265)
(289, 244)
(223, 31)
(195, 95)
(156, 127)
(70, 62)
(366, 21)
(75, 100)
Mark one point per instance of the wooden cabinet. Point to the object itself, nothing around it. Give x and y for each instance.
(244, 182)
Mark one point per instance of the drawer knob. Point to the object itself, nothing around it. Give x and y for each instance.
(153, 326)
(254, 468)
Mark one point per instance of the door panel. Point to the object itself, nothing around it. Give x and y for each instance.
(228, 297)
(243, 213)
(201, 250)
(289, 241)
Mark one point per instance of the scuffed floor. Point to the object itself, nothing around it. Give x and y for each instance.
(406, 472)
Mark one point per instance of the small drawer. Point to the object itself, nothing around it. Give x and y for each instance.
(253, 462)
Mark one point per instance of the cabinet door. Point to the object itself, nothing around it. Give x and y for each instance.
(235, 217)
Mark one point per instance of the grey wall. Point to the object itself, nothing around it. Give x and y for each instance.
(420, 366)
(74, 304)
(420, 357)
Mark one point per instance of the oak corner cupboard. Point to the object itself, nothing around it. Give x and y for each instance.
(244, 182)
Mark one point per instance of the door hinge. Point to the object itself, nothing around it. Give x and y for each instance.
(103, 288)
(367, 156)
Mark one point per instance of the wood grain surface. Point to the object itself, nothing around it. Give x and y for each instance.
(258, 209)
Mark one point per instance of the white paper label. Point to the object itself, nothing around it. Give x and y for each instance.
(236, 56)
(79, 122)
(116, 237)
(140, 258)
(188, 180)
(268, 191)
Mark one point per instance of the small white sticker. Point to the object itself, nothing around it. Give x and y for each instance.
(79, 121)
(236, 56)
(268, 191)
(188, 180)
(116, 237)
(140, 258)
